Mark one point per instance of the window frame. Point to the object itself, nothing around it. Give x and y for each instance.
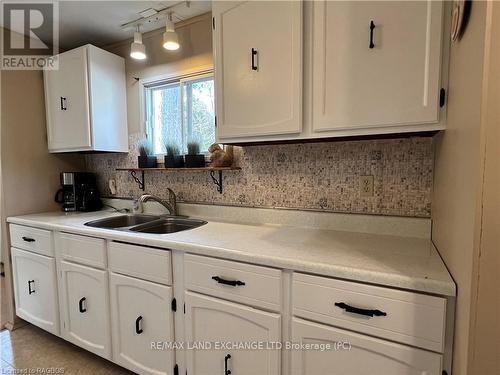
(165, 80)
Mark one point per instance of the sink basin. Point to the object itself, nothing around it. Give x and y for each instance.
(168, 225)
(122, 221)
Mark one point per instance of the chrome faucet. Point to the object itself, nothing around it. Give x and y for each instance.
(171, 205)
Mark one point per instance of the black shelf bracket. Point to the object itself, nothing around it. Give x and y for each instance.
(217, 182)
(140, 181)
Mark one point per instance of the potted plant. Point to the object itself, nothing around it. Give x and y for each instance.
(146, 159)
(193, 158)
(172, 158)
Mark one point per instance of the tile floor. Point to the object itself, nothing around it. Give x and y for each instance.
(30, 347)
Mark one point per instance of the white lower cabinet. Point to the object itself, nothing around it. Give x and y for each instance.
(35, 289)
(141, 316)
(352, 353)
(218, 322)
(85, 308)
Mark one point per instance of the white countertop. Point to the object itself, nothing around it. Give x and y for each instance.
(395, 261)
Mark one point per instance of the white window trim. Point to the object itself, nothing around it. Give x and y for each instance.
(144, 83)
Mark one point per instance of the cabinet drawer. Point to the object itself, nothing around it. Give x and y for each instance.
(82, 249)
(406, 317)
(240, 282)
(32, 239)
(146, 263)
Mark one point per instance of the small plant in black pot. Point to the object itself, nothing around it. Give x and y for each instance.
(193, 158)
(172, 158)
(146, 159)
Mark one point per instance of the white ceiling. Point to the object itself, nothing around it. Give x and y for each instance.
(98, 22)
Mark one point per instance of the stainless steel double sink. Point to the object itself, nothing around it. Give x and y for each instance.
(147, 223)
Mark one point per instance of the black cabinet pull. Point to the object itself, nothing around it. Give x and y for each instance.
(30, 291)
(138, 328)
(228, 282)
(372, 27)
(63, 104)
(28, 239)
(226, 370)
(357, 310)
(254, 63)
(80, 305)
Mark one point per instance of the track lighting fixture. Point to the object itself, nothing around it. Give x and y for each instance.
(137, 49)
(170, 38)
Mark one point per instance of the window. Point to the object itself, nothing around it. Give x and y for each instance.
(178, 111)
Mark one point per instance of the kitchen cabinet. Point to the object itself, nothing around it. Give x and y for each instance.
(85, 308)
(211, 320)
(345, 352)
(35, 289)
(366, 68)
(375, 64)
(141, 316)
(258, 68)
(85, 100)
(117, 300)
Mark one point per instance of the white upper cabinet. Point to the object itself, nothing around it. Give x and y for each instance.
(258, 68)
(375, 64)
(85, 101)
(354, 67)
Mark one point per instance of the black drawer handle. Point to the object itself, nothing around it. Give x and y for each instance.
(28, 239)
(63, 104)
(228, 282)
(30, 291)
(357, 310)
(138, 328)
(80, 305)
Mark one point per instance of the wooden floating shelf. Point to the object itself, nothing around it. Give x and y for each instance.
(141, 181)
(201, 169)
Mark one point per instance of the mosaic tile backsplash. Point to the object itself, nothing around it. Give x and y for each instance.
(319, 176)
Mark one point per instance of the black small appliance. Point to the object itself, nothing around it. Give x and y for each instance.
(78, 192)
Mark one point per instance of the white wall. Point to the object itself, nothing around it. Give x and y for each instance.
(465, 223)
(29, 174)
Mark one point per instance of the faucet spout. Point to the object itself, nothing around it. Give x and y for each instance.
(171, 205)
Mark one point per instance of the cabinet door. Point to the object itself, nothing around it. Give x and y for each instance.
(67, 103)
(210, 320)
(258, 67)
(85, 308)
(345, 352)
(395, 81)
(141, 316)
(35, 289)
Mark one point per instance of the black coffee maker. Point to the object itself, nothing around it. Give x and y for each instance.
(78, 192)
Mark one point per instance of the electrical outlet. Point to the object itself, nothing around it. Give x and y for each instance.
(366, 186)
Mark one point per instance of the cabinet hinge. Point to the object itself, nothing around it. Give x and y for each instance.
(174, 305)
(213, 23)
(176, 369)
(442, 97)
